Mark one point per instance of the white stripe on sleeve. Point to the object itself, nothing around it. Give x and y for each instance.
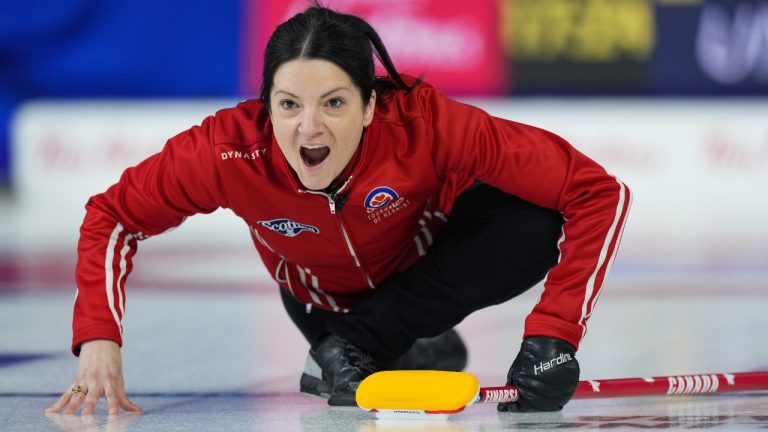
(109, 274)
(591, 294)
(123, 271)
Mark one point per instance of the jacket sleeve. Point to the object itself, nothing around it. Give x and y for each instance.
(544, 169)
(152, 197)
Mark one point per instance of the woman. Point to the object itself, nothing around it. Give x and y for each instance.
(385, 212)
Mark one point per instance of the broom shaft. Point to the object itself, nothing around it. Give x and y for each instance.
(654, 386)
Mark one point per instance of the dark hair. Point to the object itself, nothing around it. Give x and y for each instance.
(346, 40)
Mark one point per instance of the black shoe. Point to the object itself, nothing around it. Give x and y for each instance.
(445, 352)
(334, 369)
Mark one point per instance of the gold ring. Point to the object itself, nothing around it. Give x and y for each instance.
(77, 389)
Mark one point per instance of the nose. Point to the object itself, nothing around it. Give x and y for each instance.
(311, 123)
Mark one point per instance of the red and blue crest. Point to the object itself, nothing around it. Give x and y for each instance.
(380, 197)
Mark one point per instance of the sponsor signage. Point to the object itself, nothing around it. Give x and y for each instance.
(453, 42)
(561, 47)
(717, 47)
(577, 46)
(714, 47)
(288, 227)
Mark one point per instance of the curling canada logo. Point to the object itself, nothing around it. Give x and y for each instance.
(288, 227)
(380, 197)
(383, 202)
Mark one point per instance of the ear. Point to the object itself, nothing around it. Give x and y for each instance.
(368, 109)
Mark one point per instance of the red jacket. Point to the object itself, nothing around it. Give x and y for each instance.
(421, 150)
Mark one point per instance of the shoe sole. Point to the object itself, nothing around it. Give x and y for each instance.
(313, 386)
(316, 387)
(312, 383)
(312, 380)
(345, 399)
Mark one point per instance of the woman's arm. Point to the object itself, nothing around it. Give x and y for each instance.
(542, 168)
(150, 198)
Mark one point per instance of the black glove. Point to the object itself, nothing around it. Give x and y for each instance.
(545, 373)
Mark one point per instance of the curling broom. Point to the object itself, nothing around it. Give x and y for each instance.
(438, 394)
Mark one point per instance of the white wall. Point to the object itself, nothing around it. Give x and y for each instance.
(696, 167)
(64, 152)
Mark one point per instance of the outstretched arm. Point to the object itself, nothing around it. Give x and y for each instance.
(150, 198)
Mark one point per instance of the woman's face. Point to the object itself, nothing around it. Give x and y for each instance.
(318, 118)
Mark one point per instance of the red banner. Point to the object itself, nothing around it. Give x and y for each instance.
(453, 42)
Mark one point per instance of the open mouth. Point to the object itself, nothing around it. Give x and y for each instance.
(314, 155)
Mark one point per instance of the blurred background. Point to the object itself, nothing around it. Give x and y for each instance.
(671, 96)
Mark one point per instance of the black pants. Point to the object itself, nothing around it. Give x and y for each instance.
(494, 247)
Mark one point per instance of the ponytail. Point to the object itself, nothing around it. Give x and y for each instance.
(380, 51)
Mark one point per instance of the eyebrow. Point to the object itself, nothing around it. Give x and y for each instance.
(329, 92)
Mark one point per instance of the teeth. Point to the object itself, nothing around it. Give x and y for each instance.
(312, 147)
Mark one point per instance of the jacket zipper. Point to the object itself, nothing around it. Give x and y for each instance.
(347, 240)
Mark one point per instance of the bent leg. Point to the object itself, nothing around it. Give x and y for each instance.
(443, 352)
(494, 247)
(312, 322)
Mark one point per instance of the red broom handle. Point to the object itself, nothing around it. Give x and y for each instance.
(654, 386)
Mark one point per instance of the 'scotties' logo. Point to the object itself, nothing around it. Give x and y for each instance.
(380, 197)
(288, 227)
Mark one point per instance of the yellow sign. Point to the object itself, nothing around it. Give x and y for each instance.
(600, 31)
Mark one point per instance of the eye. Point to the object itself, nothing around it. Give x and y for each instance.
(287, 104)
(335, 103)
